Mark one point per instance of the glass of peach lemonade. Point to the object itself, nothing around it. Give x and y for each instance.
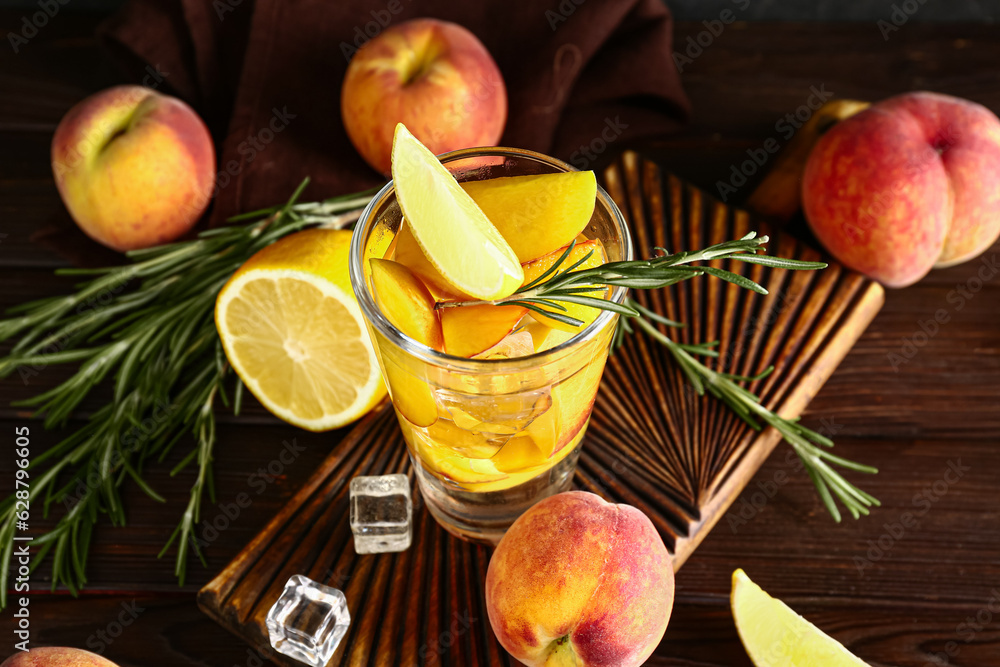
(493, 400)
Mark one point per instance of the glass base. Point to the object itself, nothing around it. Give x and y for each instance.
(484, 517)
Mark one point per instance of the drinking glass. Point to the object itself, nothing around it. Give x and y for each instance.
(488, 438)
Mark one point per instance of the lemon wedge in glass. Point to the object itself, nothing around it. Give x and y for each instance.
(451, 230)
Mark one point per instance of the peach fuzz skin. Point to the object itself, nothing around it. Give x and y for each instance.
(56, 656)
(436, 78)
(909, 184)
(135, 168)
(579, 581)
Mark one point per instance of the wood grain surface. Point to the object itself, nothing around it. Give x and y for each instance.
(906, 607)
(652, 442)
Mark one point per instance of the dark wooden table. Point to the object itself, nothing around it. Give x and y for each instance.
(894, 596)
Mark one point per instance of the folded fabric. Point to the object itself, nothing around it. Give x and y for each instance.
(584, 79)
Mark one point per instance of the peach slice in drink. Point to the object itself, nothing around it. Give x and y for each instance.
(469, 330)
(470, 471)
(405, 301)
(595, 256)
(571, 399)
(519, 454)
(410, 394)
(537, 213)
(447, 462)
(407, 304)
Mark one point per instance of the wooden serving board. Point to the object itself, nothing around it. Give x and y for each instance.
(652, 442)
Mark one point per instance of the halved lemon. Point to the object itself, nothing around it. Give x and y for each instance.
(454, 234)
(775, 636)
(294, 333)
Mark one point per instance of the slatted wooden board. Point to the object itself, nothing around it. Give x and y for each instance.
(652, 442)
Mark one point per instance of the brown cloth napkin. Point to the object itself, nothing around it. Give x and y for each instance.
(577, 73)
(584, 79)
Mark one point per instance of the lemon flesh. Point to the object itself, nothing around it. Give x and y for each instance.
(454, 234)
(775, 636)
(293, 332)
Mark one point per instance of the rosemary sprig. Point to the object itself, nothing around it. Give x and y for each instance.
(569, 285)
(560, 285)
(148, 325)
(808, 444)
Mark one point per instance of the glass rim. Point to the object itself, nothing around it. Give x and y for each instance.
(428, 354)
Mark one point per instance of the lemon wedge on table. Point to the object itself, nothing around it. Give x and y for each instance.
(454, 234)
(775, 636)
(293, 332)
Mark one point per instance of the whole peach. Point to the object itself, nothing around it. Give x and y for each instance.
(433, 76)
(56, 656)
(134, 167)
(579, 581)
(908, 184)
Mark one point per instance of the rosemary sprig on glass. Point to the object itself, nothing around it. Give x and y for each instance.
(148, 325)
(560, 285)
(569, 285)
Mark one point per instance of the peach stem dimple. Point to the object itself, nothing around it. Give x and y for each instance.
(561, 654)
(418, 66)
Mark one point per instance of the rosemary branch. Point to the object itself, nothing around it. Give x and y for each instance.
(559, 285)
(808, 444)
(148, 326)
(569, 285)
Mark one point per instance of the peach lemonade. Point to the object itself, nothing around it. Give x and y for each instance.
(493, 394)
